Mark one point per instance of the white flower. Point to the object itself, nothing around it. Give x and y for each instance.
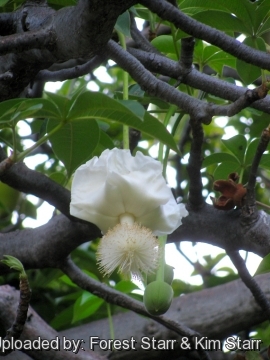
(116, 183)
(128, 199)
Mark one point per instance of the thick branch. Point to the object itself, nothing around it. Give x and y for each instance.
(32, 182)
(22, 42)
(47, 245)
(224, 229)
(78, 35)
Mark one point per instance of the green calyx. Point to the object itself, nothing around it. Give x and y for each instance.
(158, 297)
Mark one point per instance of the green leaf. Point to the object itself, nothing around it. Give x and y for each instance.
(74, 143)
(123, 24)
(18, 109)
(237, 145)
(265, 161)
(222, 21)
(58, 177)
(86, 305)
(253, 355)
(99, 106)
(62, 103)
(63, 319)
(219, 158)
(29, 209)
(251, 151)
(264, 266)
(248, 72)
(135, 107)
(13, 263)
(3, 2)
(217, 59)
(164, 43)
(49, 110)
(126, 286)
(224, 169)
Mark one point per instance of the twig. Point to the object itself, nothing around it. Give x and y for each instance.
(194, 165)
(17, 327)
(249, 281)
(249, 210)
(186, 57)
(245, 100)
(71, 73)
(117, 298)
(140, 40)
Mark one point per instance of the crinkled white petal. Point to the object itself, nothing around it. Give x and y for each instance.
(116, 183)
(131, 248)
(165, 219)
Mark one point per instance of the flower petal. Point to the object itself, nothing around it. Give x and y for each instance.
(117, 183)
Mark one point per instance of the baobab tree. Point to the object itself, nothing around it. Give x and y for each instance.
(192, 63)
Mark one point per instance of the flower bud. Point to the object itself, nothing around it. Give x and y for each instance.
(158, 297)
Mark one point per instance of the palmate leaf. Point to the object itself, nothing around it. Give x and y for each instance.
(249, 72)
(219, 158)
(237, 145)
(11, 111)
(75, 142)
(96, 105)
(264, 266)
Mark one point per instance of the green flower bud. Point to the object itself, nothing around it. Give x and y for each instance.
(168, 275)
(157, 298)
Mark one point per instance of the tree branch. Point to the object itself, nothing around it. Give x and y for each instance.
(234, 47)
(34, 328)
(249, 210)
(18, 43)
(156, 87)
(250, 282)
(224, 229)
(72, 73)
(195, 198)
(47, 245)
(210, 311)
(32, 182)
(117, 298)
(209, 84)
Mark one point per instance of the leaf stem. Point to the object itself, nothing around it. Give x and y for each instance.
(44, 138)
(14, 143)
(112, 335)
